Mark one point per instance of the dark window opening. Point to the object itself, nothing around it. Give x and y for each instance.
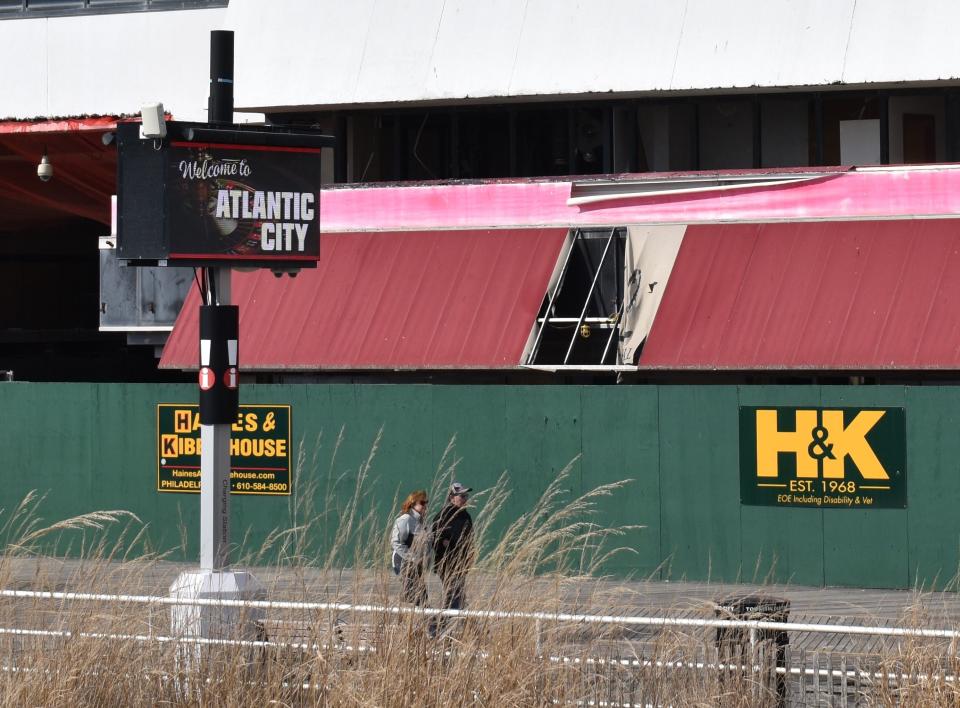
(919, 138)
(785, 130)
(543, 143)
(49, 324)
(484, 144)
(592, 141)
(416, 146)
(579, 319)
(725, 134)
(706, 133)
(851, 130)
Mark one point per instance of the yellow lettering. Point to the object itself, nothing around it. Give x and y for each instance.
(168, 446)
(182, 421)
(257, 447)
(852, 440)
(771, 441)
(269, 423)
(179, 484)
(250, 422)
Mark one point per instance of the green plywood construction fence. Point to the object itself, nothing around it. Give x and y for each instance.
(92, 447)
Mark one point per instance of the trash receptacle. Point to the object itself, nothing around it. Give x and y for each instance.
(745, 647)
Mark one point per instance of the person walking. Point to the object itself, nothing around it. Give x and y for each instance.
(410, 547)
(452, 532)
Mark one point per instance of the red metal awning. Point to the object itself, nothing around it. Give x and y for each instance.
(390, 300)
(828, 295)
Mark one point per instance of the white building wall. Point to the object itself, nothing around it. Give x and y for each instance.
(900, 40)
(107, 64)
(300, 54)
(372, 53)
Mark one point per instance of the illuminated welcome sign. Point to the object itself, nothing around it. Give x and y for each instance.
(193, 203)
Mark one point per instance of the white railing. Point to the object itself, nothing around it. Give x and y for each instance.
(795, 666)
(564, 660)
(557, 617)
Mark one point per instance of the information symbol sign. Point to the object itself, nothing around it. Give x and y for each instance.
(207, 378)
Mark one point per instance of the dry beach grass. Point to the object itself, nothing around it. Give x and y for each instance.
(121, 654)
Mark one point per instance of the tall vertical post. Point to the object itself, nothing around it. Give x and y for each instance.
(218, 379)
(214, 430)
(219, 403)
(220, 102)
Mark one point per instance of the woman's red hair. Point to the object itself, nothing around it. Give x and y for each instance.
(413, 498)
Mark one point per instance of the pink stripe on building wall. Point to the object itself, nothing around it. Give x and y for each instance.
(872, 193)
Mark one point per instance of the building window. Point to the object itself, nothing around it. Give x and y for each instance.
(579, 319)
(615, 137)
(416, 146)
(725, 134)
(668, 137)
(544, 135)
(917, 129)
(483, 137)
(851, 130)
(785, 132)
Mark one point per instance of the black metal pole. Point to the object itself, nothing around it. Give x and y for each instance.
(884, 100)
(219, 404)
(220, 103)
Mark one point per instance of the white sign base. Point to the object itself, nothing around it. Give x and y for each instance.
(214, 622)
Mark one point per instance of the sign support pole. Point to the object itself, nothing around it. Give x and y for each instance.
(219, 346)
(215, 462)
(215, 437)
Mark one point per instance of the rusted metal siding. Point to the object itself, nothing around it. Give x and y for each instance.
(401, 300)
(829, 296)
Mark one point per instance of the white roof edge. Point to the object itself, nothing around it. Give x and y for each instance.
(594, 368)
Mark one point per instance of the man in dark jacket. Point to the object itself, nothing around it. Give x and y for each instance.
(453, 546)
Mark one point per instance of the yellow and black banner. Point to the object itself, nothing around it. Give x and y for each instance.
(259, 449)
(827, 458)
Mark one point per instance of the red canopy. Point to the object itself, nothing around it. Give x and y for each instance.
(828, 295)
(390, 300)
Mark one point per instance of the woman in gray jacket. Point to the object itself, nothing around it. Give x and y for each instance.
(411, 547)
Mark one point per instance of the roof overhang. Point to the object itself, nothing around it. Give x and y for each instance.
(84, 171)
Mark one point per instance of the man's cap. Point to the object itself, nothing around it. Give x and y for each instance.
(457, 488)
